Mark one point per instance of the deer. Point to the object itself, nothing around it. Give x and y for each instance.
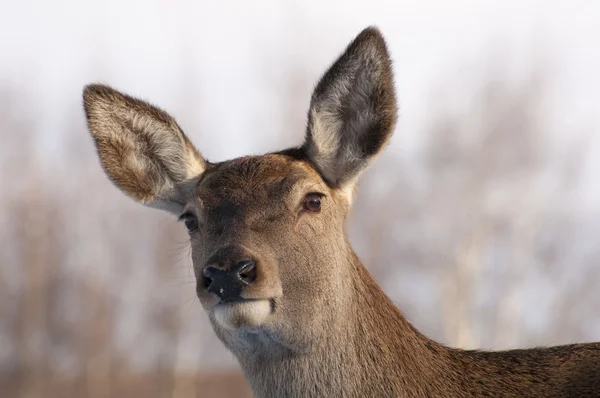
(275, 272)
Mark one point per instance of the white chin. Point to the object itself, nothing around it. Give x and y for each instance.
(239, 314)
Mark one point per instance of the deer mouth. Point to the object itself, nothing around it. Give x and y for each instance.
(234, 300)
(238, 313)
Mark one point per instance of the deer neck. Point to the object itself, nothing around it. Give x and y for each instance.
(370, 349)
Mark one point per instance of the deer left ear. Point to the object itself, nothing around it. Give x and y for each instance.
(141, 148)
(353, 110)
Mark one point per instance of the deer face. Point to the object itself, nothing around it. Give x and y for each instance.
(267, 232)
(261, 230)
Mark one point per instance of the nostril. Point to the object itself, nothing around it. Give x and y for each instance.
(207, 280)
(247, 272)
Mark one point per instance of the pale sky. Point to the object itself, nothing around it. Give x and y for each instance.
(241, 50)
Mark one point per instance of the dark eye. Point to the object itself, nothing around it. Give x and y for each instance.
(190, 221)
(312, 203)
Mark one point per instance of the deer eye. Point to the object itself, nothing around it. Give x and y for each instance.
(190, 221)
(312, 203)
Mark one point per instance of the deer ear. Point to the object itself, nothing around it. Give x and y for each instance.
(141, 148)
(352, 111)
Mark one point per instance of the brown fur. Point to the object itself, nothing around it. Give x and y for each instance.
(314, 323)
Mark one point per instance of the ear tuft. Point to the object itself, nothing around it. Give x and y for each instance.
(141, 147)
(353, 110)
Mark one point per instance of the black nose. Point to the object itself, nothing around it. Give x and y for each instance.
(227, 283)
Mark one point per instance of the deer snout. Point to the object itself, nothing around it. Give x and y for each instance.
(238, 288)
(228, 281)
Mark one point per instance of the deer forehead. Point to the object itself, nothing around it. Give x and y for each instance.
(263, 177)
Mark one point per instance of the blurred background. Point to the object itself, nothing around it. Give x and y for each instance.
(480, 220)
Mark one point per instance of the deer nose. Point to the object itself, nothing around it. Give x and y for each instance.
(227, 283)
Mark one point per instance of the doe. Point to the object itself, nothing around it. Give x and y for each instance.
(275, 272)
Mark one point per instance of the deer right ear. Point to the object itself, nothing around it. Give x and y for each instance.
(141, 148)
(353, 110)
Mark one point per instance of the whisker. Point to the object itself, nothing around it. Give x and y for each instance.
(191, 305)
(179, 277)
(183, 283)
(188, 300)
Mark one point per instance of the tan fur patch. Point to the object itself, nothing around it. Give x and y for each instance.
(141, 148)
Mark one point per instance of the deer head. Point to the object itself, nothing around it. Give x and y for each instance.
(267, 232)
